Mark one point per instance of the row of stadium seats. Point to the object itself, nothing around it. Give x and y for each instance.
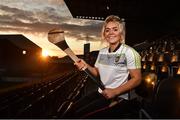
(159, 90)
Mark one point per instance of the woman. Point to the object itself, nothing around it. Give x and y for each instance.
(114, 64)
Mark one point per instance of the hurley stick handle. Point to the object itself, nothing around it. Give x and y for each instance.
(71, 54)
(98, 82)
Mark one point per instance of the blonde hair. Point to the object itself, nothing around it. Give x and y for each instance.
(113, 18)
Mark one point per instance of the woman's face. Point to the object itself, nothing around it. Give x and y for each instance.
(112, 32)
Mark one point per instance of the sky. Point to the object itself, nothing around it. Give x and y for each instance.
(34, 18)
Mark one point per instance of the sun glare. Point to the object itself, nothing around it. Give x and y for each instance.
(45, 53)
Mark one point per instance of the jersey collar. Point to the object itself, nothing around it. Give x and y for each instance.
(119, 45)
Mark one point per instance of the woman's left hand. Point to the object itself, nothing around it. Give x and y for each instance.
(109, 93)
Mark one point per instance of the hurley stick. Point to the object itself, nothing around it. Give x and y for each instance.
(56, 36)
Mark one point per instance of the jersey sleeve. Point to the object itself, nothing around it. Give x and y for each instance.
(133, 59)
(97, 63)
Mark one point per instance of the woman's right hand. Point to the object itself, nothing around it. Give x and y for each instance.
(81, 64)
